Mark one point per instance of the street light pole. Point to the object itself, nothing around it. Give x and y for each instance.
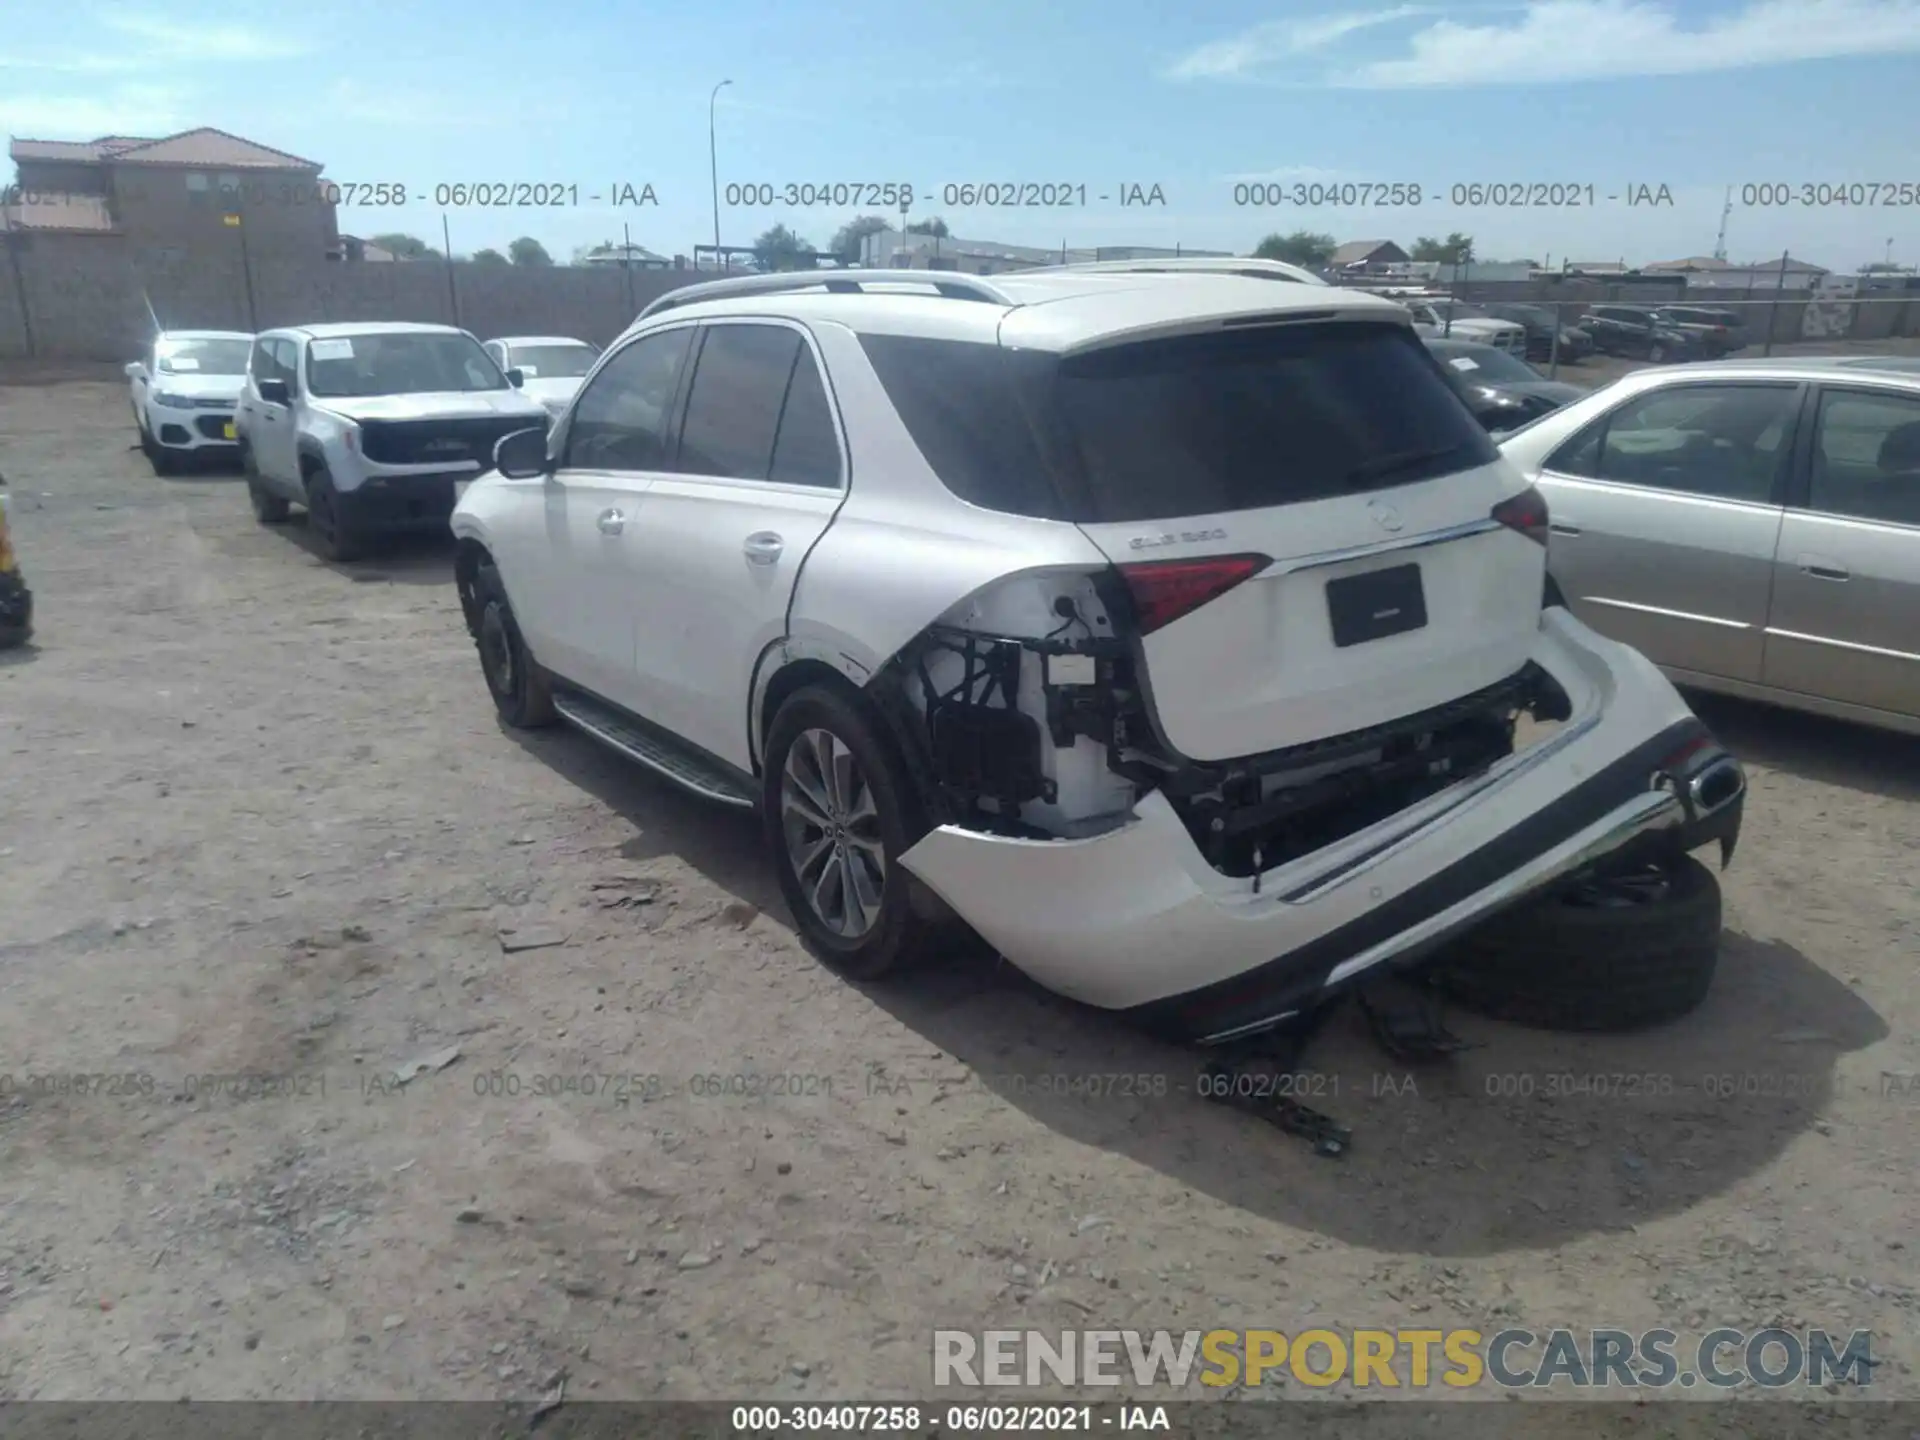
(713, 156)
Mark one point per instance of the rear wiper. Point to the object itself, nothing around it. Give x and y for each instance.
(1394, 462)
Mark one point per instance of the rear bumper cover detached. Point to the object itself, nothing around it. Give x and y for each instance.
(1135, 920)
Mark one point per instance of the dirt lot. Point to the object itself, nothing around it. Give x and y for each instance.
(257, 816)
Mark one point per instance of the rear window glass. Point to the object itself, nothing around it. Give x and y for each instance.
(1200, 425)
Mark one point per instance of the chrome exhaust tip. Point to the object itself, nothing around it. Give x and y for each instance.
(1716, 786)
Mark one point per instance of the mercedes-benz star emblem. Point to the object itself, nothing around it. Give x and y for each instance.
(1385, 516)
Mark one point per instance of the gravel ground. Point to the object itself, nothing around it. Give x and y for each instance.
(257, 817)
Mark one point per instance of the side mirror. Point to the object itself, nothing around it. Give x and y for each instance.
(521, 455)
(274, 392)
(516, 377)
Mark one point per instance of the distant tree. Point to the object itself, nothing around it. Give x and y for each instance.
(489, 257)
(1302, 247)
(529, 251)
(781, 249)
(405, 247)
(1456, 249)
(934, 226)
(845, 245)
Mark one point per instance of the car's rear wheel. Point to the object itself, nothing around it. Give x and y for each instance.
(339, 540)
(1614, 951)
(522, 691)
(839, 813)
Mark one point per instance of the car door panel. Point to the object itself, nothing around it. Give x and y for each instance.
(270, 427)
(716, 561)
(1845, 623)
(1667, 541)
(576, 586)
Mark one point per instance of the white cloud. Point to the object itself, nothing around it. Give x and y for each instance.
(1277, 40)
(125, 110)
(1551, 41)
(1602, 39)
(167, 38)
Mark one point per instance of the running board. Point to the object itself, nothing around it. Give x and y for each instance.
(658, 752)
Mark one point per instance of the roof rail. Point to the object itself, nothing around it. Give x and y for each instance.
(951, 284)
(1249, 267)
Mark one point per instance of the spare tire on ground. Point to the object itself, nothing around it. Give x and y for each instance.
(1612, 951)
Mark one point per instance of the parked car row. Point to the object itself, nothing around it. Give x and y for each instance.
(367, 426)
(1185, 589)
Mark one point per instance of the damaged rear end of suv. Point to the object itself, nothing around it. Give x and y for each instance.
(1245, 688)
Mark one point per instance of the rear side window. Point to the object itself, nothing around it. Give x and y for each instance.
(805, 452)
(733, 411)
(1200, 425)
(960, 401)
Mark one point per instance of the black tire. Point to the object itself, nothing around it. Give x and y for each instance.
(268, 508)
(339, 540)
(1566, 962)
(522, 691)
(158, 456)
(896, 934)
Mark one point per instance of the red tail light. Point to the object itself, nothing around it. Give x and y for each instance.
(1164, 590)
(1526, 513)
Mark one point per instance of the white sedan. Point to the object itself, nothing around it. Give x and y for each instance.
(184, 390)
(551, 366)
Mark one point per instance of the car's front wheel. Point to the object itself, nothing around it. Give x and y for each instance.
(268, 508)
(339, 540)
(839, 813)
(520, 688)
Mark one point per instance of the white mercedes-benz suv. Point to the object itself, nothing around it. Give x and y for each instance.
(1173, 629)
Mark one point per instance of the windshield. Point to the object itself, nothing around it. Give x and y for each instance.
(202, 357)
(1483, 362)
(400, 364)
(551, 362)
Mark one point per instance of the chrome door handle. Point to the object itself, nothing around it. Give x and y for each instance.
(611, 522)
(1822, 568)
(764, 547)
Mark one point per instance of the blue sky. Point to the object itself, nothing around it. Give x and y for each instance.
(1191, 97)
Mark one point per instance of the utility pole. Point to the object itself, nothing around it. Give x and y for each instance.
(1720, 243)
(713, 159)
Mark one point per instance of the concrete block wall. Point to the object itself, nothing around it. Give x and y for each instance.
(83, 295)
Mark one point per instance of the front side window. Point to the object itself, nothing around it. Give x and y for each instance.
(1725, 442)
(399, 363)
(620, 421)
(1866, 457)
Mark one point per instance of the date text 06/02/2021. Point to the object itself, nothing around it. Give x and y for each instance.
(1461, 195)
(952, 195)
(882, 1419)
